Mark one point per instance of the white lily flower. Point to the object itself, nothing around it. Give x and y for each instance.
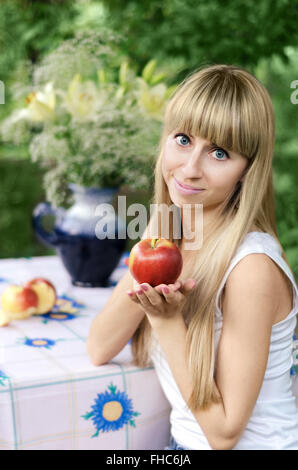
(41, 105)
(82, 99)
(152, 99)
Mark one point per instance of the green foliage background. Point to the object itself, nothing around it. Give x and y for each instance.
(194, 31)
(182, 35)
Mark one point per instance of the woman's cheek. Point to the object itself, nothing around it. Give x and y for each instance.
(171, 161)
(166, 168)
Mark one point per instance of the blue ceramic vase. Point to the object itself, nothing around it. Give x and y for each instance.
(88, 257)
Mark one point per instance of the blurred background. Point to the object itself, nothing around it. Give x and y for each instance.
(175, 37)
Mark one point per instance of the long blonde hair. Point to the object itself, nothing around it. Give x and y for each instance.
(227, 105)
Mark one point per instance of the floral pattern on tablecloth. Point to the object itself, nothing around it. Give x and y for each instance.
(111, 411)
(39, 342)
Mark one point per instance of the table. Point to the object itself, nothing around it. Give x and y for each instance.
(51, 396)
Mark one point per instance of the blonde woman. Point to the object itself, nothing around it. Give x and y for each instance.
(220, 338)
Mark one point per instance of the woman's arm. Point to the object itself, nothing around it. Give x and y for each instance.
(113, 327)
(250, 306)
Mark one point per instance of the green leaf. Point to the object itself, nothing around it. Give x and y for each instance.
(123, 73)
(87, 415)
(148, 70)
(157, 78)
(112, 388)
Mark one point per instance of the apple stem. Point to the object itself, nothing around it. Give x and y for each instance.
(154, 241)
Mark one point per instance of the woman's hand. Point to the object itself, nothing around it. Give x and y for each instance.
(163, 301)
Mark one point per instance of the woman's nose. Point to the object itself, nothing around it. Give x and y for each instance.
(193, 167)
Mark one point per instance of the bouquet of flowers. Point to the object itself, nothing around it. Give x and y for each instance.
(88, 120)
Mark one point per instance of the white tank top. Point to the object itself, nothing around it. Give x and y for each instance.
(273, 424)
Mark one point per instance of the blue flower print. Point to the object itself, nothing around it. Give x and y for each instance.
(111, 411)
(58, 316)
(39, 342)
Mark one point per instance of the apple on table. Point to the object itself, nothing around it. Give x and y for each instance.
(46, 293)
(37, 296)
(19, 302)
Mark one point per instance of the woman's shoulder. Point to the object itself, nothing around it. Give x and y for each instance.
(260, 255)
(259, 273)
(259, 263)
(257, 266)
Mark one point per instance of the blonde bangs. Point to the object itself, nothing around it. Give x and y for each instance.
(218, 108)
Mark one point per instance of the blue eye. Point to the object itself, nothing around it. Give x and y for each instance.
(222, 153)
(184, 139)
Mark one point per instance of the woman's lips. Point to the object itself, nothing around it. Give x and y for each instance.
(186, 190)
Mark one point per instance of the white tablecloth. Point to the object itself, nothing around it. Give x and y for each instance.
(51, 396)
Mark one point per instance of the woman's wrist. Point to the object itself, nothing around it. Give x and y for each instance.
(159, 322)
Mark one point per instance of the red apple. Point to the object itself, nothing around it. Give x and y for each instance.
(19, 301)
(46, 294)
(155, 261)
